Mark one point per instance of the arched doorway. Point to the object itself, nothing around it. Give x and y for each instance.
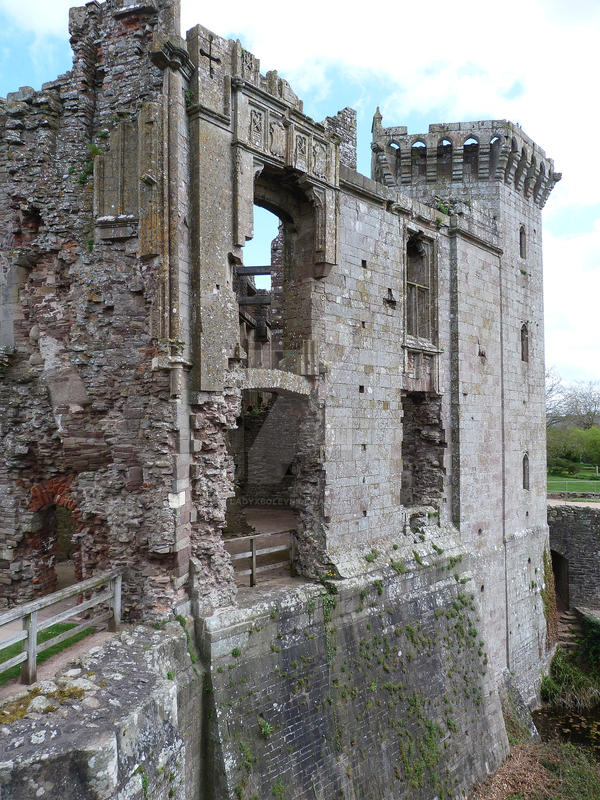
(560, 568)
(52, 549)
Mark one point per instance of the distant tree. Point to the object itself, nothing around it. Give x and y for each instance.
(564, 444)
(582, 404)
(555, 399)
(591, 445)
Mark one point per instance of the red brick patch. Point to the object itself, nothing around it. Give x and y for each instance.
(56, 491)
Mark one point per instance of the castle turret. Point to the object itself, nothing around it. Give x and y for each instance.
(492, 181)
(462, 159)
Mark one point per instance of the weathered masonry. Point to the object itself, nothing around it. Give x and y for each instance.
(575, 550)
(386, 391)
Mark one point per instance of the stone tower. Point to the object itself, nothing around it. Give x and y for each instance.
(491, 173)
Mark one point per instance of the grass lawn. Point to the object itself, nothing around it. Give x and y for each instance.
(556, 484)
(581, 481)
(43, 636)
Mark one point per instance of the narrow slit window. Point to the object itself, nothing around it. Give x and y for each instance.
(524, 342)
(526, 471)
(522, 242)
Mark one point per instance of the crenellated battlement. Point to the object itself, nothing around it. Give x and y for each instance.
(463, 153)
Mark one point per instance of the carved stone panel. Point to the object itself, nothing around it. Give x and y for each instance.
(115, 174)
(150, 180)
(256, 135)
(276, 138)
(301, 152)
(319, 159)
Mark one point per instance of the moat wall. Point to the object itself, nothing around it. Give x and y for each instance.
(380, 690)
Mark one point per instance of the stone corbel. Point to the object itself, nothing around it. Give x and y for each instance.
(325, 203)
(171, 55)
(246, 169)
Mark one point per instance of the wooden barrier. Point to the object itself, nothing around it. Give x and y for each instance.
(245, 547)
(28, 614)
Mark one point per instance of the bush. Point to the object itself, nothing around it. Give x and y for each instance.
(550, 689)
(568, 685)
(562, 466)
(589, 647)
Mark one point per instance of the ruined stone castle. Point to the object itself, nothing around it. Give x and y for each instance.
(387, 390)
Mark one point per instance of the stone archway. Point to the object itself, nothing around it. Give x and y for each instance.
(54, 544)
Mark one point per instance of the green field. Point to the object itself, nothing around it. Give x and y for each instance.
(581, 481)
(49, 633)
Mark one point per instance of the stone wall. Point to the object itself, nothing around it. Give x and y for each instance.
(382, 689)
(122, 723)
(575, 535)
(378, 686)
(82, 401)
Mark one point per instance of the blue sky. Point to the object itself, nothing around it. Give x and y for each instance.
(531, 61)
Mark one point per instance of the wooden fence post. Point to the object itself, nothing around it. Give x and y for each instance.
(292, 554)
(114, 623)
(253, 567)
(29, 668)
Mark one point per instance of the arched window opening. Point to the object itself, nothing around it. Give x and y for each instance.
(526, 471)
(470, 159)
(277, 324)
(495, 147)
(395, 148)
(444, 160)
(525, 342)
(259, 286)
(418, 159)
(418, 290)
(522, 242)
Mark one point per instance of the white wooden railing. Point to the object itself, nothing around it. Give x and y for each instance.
(32, 625)
(254, 553)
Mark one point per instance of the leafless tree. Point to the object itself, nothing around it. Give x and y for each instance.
(555, 398)
(582, 404)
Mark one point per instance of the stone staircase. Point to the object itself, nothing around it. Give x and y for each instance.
(569, 629)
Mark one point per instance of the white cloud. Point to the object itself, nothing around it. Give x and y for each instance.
(572, 289)
(39, 16)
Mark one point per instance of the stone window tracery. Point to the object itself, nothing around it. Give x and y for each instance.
(418, 290)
